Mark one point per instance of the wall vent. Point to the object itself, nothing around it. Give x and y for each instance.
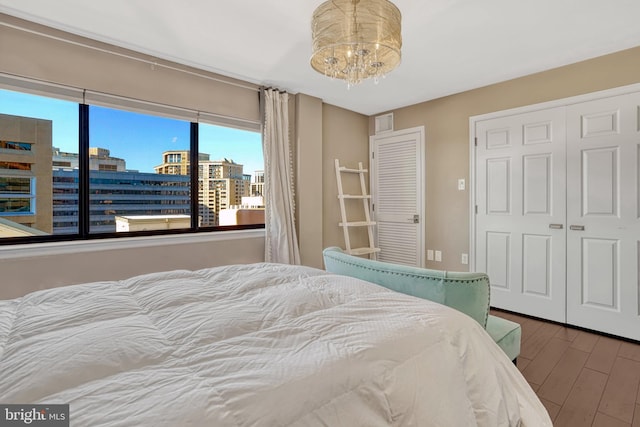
(384, 123)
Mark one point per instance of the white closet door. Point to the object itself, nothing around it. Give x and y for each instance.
(397, 187)
(603, 211)
(520, 196)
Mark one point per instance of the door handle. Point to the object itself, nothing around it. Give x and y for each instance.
(576, 227)
(416, 219)
(556, 226)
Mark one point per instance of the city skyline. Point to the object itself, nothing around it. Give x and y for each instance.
(40, 188)
(131, 135)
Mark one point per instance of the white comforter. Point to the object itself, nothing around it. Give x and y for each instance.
(256, 345)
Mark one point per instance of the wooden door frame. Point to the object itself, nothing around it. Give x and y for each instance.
(422, 182)
(592, 96)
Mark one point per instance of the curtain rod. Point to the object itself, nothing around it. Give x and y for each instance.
(151, 63)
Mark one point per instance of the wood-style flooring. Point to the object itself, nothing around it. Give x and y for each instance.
(583, 379)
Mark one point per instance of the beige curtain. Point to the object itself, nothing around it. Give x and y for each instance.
(281, 243)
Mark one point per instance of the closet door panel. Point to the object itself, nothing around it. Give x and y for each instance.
(603, 237)
(520, 193)
(558, 212)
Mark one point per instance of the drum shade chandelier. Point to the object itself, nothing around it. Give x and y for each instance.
(354, 40)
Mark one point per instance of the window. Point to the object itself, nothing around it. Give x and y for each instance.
(229, 158)
(16, 196)
(19, 146)
(15, 185)
(131, 187)
(36, 133)
(127, 169)
(15, 166)
(173, 158)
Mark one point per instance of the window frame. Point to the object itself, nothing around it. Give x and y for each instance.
(90, 98)
(14, 150)
(31, 196)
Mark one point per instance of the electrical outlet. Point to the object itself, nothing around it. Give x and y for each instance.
(429, 254)
(438, 256)
(464, 259)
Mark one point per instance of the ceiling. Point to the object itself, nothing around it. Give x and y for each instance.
(449, 46)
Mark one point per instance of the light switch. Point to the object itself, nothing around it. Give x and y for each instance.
(438, 256)
(429, 254)
(461, 184)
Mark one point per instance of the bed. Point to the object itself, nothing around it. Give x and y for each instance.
(256, 345)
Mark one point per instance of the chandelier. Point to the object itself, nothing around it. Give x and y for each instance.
(354, 40)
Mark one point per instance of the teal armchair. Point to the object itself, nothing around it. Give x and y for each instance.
(466, 292)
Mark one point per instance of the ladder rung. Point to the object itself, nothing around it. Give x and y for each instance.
(348, 170)
(354, 196)
(357, 224)
(345, 224)
(363, 251)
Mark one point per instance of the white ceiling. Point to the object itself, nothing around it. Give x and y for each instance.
(449, 46)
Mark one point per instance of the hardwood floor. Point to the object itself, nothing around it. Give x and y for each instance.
(583, 379)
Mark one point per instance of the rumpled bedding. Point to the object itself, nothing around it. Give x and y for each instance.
(256, 345)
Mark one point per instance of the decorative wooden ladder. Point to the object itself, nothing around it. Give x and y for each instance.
(345, 224)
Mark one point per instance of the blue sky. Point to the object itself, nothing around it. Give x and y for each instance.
(140, 139)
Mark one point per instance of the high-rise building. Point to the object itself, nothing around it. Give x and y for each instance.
(113, 191)
(221, 183)
(39, 185)
(114, 194)
(25, 173)
(177, 162)
(99, 159)
(257, 186)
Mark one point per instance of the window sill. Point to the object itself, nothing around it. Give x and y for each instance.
(58, 248)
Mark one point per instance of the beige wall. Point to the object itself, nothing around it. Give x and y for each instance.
(319, 131)
(344, 137)
(34, 51)
(322, 134)
(446, 122)
(309, 188)
(68, 264)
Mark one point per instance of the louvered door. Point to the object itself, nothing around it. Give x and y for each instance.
(397, 187)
